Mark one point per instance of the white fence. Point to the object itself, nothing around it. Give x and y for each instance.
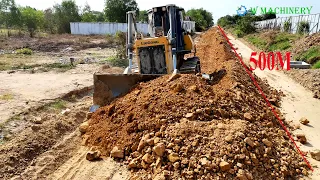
(278, 23)
(189, 26)
(85, 28)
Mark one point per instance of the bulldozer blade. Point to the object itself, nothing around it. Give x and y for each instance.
(109, 86)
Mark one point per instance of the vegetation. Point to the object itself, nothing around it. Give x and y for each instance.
(115, 10)
(6, 97)
(25, 51)
(275, 41)
(203, 18)
(311, 56)
(287, 25)
(143, 16)
(303, 27)
(316, 65)
(257, 41)
(243, 25)
(57, 19)
(58, 104)
(117, 62)
(282, 41)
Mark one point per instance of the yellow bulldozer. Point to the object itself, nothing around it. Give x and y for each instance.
(163, 52)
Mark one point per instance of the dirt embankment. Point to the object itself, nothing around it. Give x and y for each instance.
(195, 129)
(40, 133)
(56, 43)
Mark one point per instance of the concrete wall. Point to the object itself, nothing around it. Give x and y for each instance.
(85, 28)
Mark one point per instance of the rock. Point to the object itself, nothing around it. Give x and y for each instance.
(35, 128)
(133, 164)
(143, 142)
(267, 142)
(83, 128)
(224, 166)
(147, 158)
(315, 154)
(173, 77)
(240, 134)
(173, 157)
(93, 155)
(228, 138)
(249, 142)
(193, 88)
(117, 152)
(159, 149)
(177, 87)
(242, 176)
(304, 121)
(150, 142)
(160, 177)
(89, 115)
(66, 111)
(204, 161)
(302, 138)
(189, 115)
(176, 165)
(247, 116)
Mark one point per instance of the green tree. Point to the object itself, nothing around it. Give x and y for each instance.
(65, 13)
(49, 21)
(115, 10)
(99, 15)
(269, 15)
(202, 18)
(32, 19)
(143, 16)
(87, 14)
(5, 11)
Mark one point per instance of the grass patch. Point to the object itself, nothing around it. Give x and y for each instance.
(311, 56)
(257, 41)
(58, 105)
(117, 62)
(316, 65)
(25, 51)
(6, 97)
(283, 41)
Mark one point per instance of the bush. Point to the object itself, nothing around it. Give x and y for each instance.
(245, 25)
(120, 39)
(287, 26)
(316, 65)
(238, 33)
(303, 27)
(117, 62)
(25, 51)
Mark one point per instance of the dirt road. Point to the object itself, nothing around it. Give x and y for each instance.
(298, 102)
(24, 90)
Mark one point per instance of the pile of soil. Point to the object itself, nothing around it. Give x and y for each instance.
(308, 78)
(197, 129)
(42, 129)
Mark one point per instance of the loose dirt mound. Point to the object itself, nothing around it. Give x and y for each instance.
(195, 129)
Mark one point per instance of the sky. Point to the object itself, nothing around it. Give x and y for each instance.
(217, 8)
